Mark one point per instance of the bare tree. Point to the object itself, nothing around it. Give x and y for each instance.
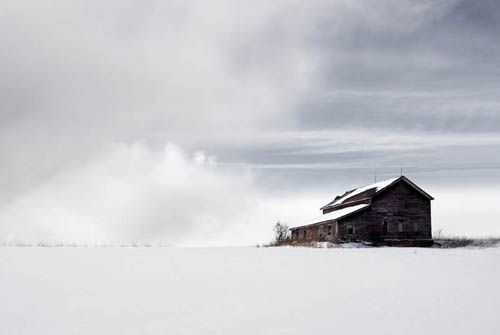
(281, 232)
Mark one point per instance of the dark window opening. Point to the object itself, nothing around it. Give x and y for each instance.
(329, 230)
(385, 227)
(304, 235)
(350, 230)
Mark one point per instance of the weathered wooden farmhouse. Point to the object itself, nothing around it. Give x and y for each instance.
(390, 212)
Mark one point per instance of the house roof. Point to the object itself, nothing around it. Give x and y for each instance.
(335, 215)
(376, 188)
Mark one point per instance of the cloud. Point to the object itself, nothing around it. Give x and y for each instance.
(76, 76)
(131, 193)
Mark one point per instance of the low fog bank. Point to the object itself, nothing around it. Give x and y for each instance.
(131, 193)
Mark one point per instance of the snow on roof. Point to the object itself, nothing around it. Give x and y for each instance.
(377, 186)
(338, 213)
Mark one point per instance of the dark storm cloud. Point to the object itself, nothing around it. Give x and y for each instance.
(430, 65)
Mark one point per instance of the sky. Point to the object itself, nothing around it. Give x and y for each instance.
(204, 123)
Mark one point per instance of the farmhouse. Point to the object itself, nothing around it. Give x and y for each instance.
(390, 212)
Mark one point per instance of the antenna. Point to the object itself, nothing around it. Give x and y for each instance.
(401, 169)
(375, 176)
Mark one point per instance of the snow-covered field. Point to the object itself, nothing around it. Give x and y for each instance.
(249, 291)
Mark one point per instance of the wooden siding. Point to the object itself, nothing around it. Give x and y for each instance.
(406, 211)
(318, 232)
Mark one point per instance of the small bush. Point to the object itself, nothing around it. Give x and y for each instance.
(281, 232)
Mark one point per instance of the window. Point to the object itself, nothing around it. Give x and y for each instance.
(415, 226)
(329, 229)
(320, 231)
(304, 235)
(385, 227)
(401, 227)
(350, 230)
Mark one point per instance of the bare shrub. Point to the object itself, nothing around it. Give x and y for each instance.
(281, 232)
(282, 235)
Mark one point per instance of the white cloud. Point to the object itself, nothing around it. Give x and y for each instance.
(132, 193)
